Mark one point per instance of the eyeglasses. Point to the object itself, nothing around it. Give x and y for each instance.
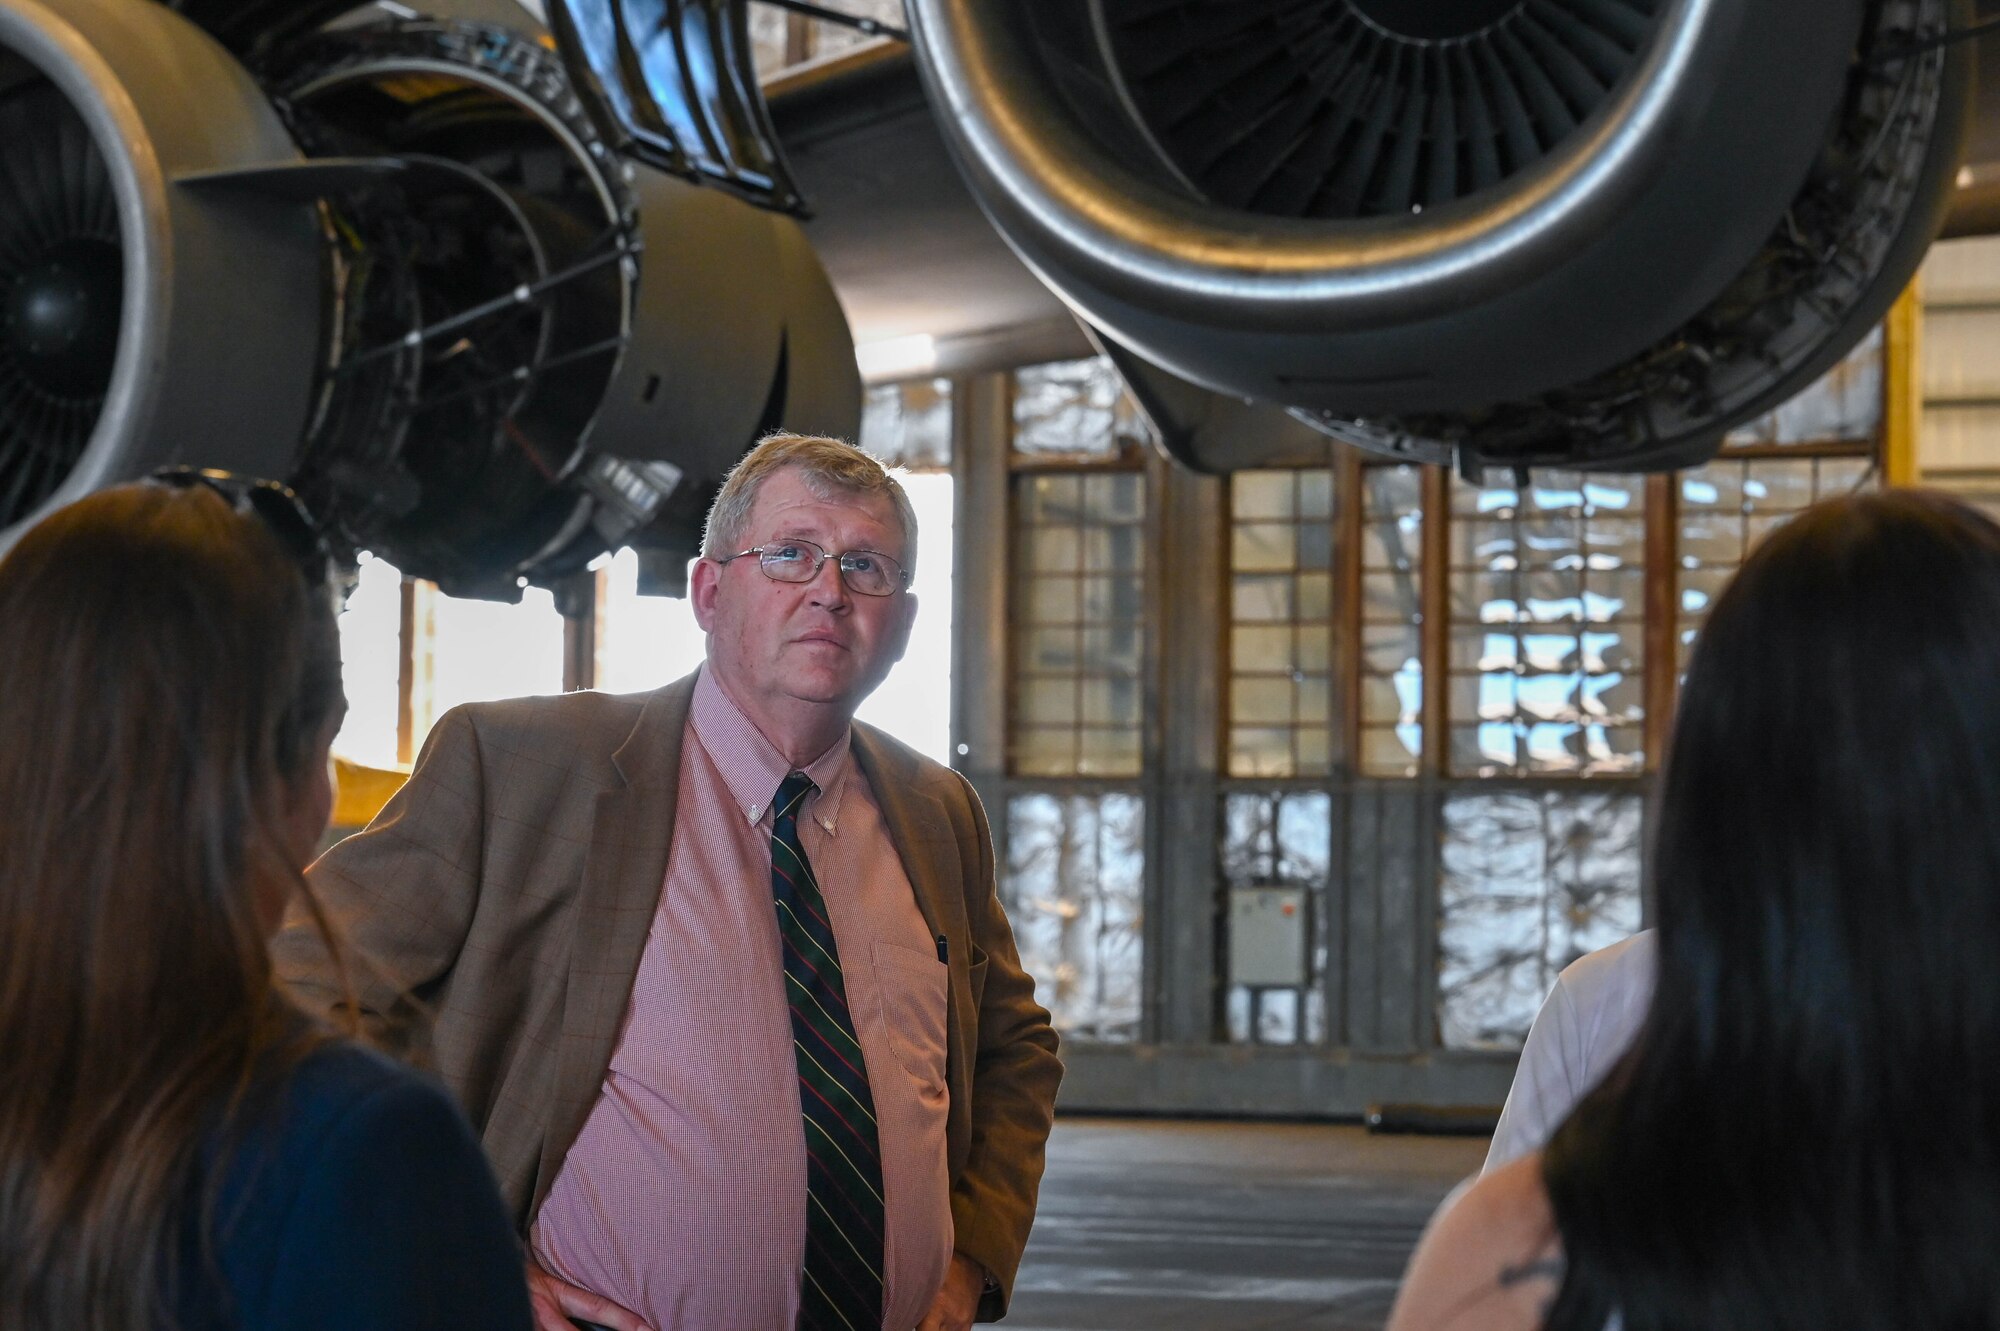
(283, 515)
(867, 572)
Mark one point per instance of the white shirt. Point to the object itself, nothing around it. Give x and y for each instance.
(1586, 1024)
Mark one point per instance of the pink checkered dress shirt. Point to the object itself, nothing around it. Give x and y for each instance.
(684, 1196)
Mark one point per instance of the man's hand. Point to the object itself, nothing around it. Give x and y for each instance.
(957, 1303)
(556, 1301)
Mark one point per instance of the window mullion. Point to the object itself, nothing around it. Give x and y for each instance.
(1435, 603)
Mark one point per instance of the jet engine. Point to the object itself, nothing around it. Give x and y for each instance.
(400, 263)
(1595, 233)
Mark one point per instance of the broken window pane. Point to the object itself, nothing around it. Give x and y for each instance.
(1531, 880)
(1075, 892)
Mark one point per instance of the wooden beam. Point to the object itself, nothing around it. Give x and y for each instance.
(1435, 634)
(1662, 630)
(1349, 498)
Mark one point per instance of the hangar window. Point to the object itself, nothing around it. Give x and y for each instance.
(409, 654)
(1529, 881)
(1078, 623)
(1562, 590)
(1077, 681)
(1391, 665)
(642, 641)
(472, 651)
(1728, 506)
(908, 424)
(1548, 626)
(1819, 445)
(1407, 724)
(1077, 588)
(1075, 893)
(370, 646)
(1075, 411)
(1281, 566)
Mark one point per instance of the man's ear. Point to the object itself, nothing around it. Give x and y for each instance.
(704, 585)
(899, 642)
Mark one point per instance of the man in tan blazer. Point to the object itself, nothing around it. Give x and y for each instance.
(565, 912)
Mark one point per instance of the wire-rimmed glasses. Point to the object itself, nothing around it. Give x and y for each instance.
(865, 572)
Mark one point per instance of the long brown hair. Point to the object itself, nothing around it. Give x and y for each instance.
(165, 671)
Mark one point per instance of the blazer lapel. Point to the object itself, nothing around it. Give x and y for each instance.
(624, 869)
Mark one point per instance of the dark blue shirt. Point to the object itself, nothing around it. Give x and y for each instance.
(356, 1198)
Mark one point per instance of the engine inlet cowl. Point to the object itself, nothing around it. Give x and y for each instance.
(1596, 232)
(115, 277)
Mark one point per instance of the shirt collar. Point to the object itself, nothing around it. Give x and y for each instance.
(752, 767)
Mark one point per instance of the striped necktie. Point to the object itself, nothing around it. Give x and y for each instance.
(841, 1287)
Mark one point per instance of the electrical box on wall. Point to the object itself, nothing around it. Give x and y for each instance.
(1267, 936)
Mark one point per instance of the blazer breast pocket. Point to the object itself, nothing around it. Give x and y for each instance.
(976, 978)
(914, 986)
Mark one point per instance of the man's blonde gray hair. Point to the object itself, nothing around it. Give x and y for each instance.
(830, 468)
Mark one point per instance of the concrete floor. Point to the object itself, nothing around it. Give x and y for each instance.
(1149, 1225)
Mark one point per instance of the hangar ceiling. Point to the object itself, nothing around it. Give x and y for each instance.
(906, 247)
(1985, 147)
(1978, 209)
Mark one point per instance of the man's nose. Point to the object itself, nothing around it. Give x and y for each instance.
(828, 588)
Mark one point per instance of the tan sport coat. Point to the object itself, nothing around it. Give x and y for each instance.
(505, 893)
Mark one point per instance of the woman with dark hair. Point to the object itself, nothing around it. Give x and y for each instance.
(1806, 1133)
(179, 1146)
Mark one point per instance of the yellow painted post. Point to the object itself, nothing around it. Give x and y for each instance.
(1902, 389)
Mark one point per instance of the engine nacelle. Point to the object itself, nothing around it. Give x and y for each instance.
(398, 264)
(1589, 232)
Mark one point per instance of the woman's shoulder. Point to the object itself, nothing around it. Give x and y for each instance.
(1625, 968)
(354, 1182)
(341, 1074)
(304, 1118)
(337, 1086)
(1490, 1259)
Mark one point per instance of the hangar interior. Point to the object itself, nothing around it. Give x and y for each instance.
(1307, 773)
(1197, 705)
(1306, 780)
